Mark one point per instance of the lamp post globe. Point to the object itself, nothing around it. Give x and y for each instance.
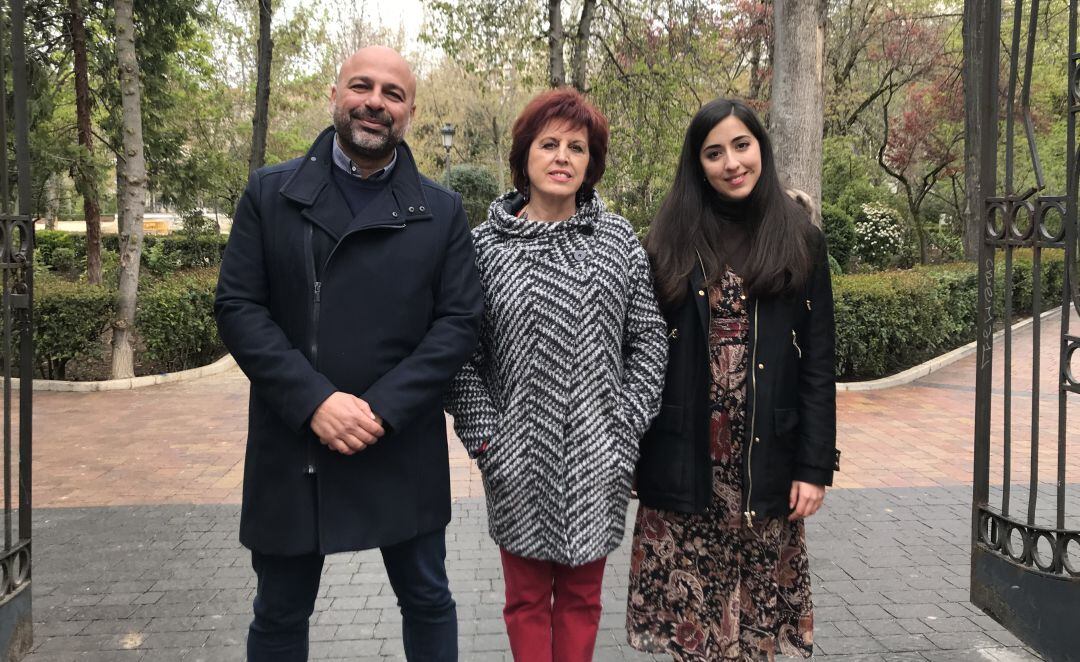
(447, 132)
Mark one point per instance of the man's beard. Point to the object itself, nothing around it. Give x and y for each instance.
(364, 143)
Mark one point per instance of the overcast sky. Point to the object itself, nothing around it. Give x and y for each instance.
(389, 13)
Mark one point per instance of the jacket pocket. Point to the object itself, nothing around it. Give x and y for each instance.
(666, 461)
(670, 419)
(786, 423)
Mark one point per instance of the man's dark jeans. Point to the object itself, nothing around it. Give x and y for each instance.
(288, 585)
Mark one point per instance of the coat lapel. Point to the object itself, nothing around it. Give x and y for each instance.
(402, 201)
(311, 187)
(697, 284)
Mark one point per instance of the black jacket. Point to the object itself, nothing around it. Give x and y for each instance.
(791, 401)
(395, 314)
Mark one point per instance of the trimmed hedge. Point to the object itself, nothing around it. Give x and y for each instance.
(175, 319)
(64, 252)
(889, 321)
(69, 319)
(162, 254)
(885, 322)
(477, 187)
(839, 230)
(174, 323)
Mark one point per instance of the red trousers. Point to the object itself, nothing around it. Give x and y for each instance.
(552, 611)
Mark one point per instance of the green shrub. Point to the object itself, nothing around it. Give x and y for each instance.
(834, 266)
(163, 254)
(945, 245)
(891, 320)
(175, 320)
(839, 233)
(884, 322)
(64, 260)
(477, 187)
(69, 320)
(1051, 277)
(71, 247)
(879, 234)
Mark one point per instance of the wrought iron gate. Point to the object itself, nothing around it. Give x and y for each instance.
(16, 343)
(1025, 559)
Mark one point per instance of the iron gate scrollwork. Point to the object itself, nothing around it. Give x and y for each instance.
(16, 343)
(1025, 560)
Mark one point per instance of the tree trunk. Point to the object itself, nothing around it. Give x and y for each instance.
(119, 194)
(758, 69)
(52, 202)
(979, 121)
(84, 172)
(797, 111)
(915, 209)
(496, 137)
(581, 45)
(556, 67)
(133, 200)
(757, 77)
(260, 121)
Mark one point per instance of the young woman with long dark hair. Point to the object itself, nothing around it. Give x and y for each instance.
(745, 442)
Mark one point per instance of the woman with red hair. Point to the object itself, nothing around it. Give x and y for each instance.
(567, 376)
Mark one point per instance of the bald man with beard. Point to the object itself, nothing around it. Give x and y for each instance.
(349, 297)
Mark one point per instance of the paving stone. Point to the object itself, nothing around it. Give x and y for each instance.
(963, 640)
(905, 642)
(881, 627)
(848, 645)
(191, 639)
(871, 617)
(980, 655)
(168, 579)
(916, 610)
(952, 624)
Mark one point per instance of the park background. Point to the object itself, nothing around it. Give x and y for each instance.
(217, 101)
(147, 117)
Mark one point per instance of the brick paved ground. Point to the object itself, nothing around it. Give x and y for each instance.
(136, 555)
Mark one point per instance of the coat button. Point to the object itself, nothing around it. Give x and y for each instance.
(412, 209)
(580, 255)
(421, 208)
(743, 297)
(753, 513)
(757, 440)
(761, 366)
(394, 214)
(701, 293)
(314, 159)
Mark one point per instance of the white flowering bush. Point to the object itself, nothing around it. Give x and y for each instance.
(879, 236)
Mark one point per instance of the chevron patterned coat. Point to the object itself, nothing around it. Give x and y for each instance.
(566, 379)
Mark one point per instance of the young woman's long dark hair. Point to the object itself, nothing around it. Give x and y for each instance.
(689, 220)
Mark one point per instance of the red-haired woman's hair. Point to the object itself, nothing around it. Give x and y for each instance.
(566, 105)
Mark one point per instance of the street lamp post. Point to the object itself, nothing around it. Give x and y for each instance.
(447, 132)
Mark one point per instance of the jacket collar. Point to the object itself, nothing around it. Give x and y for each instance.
(502, 215)
(311, 186)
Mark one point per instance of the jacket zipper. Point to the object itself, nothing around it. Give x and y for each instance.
(749, 514)
(309, 467)
(708, 313)
(315, 323)
(316, 305)
(795, 341)
(388, 226)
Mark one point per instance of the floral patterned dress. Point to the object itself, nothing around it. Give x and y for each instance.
(707, 587)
